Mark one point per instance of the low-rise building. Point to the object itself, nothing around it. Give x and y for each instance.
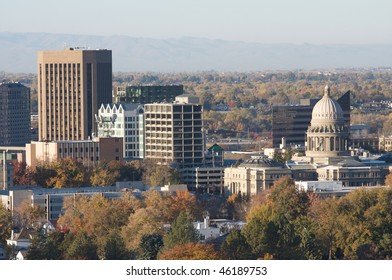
(89, 152)
(254, 175)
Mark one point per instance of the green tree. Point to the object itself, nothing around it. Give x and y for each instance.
(271, 227)
(115, 247)
(182, 231)
(149, 246)
(5, 224)
(236, 247)
(81, 247)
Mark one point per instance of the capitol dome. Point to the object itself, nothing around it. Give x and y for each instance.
(327, 136)
(327, 110)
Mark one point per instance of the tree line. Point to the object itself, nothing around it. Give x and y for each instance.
(70, 173)
(281, 223)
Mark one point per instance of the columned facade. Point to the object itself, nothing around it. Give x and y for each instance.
(327, 135)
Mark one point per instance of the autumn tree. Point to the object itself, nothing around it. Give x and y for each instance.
(64, 173)
(161, 202)
(238, 206)
(29, 216)
(388, 180)
(102, 176)
(271, 227)
(21, 173)
(184, 201)
(156, 174)
(143, 221)
(191, 251)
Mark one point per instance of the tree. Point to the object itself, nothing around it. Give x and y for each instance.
(191, 251)
(115, 247)
(5, 224)
(21, 173)
(81, 247)
(271, 226)
(235, 247)
(30, 216)
(143, 221)
(388, 180)
(102, 176)
(325, 214)
(64, 173)
(69, 174)
(238, 206)
(184, 201)
(149, 246)
(156, 174)
(182, 231)
(161, 202)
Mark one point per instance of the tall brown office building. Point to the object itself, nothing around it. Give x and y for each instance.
(72, 84)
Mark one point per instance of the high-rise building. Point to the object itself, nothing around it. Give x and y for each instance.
(124, 120)
(14, 114)
(173, 132)
(292, 121)
(149, 94)
(72, 84)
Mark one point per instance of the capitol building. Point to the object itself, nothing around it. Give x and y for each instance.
(327, 158)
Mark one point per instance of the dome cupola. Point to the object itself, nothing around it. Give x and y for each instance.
(327, 111)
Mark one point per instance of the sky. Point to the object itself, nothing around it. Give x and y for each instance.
(261, 21)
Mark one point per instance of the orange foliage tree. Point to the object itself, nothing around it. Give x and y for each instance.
(191, 251)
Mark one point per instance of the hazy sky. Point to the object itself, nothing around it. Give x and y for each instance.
(273, 21)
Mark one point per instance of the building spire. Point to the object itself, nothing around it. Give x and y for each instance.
(327, 90)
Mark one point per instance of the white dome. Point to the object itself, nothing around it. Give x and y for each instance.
(327, 110)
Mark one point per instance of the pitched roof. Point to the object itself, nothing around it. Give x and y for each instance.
(216, 148)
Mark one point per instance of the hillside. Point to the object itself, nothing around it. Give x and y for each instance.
(18, 53)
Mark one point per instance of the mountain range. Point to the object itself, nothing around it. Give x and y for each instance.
(18, 53)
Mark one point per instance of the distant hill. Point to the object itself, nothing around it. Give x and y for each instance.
(18, 53)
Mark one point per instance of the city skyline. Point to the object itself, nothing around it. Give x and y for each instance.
(296, 22)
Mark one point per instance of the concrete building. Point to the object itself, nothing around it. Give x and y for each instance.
(51, 200)
(89, 152)
(145, 94)
(385, 143)
(6, 173)
(14, 114)
(174, 132)
(125, 121)
(208, 177)
(254, 175)
(72, 84)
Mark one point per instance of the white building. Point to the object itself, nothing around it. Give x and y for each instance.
(124, 120)
(254, 175)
